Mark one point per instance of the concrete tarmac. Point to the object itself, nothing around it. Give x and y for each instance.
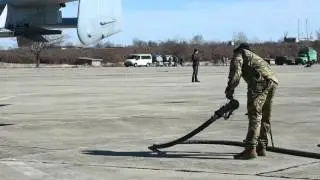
(96, 124)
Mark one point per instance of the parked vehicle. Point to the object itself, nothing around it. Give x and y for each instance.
(307, 55)
(281, 60)
(138, 60)
(170, 60)
(157, 60)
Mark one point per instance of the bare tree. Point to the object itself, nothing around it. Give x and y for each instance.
(174, 48)
(109, 44)
(317, 34)
(239, 37)
(255, 40)
(152, 43)
(99, 45)
(197, 39)
(38, 46)
(69, 44)
(138, 43)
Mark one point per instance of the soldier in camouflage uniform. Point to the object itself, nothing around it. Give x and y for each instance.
(262, 84)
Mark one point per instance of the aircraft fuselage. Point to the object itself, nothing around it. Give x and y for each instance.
(33, 2)
(31, 19)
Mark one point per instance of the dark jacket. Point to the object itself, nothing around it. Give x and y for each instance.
(195, 59)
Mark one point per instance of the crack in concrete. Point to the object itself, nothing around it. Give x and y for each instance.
(264, 174)
(33, 147)
(268, 174)
(286, 177)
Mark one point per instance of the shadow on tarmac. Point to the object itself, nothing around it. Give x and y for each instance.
(2, 105)
(1, 125)
(167, 154)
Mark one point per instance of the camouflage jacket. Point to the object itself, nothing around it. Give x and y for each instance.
(251, 67)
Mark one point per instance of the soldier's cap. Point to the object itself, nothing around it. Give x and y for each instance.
(243, 46)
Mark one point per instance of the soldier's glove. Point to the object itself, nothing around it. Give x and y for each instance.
(229, 93)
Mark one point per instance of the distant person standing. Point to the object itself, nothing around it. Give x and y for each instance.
(165, 60)
(181, 61)
(195, 65)
(170, 61)
(175, 61)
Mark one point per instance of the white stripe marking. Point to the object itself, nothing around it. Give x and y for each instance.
(7, 97)
(24, 169)
(17, 95)
(30, 94)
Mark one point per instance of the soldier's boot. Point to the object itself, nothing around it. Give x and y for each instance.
(262, 149)
(248, 153)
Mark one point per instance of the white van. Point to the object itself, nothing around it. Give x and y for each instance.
(138, 60)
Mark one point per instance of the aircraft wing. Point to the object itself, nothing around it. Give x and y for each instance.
(98, 19)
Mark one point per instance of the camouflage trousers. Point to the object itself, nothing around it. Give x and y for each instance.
(259, 102)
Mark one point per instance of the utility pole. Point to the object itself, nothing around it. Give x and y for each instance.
(307, 34)
(298, 30)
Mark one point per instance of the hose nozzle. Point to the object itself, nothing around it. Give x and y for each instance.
(227, 109)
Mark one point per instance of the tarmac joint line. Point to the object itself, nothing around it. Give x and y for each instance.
(269, 173)
(22, 167)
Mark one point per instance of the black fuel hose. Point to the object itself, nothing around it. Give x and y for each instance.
(269, 148)
(155, 147)
(225, 110)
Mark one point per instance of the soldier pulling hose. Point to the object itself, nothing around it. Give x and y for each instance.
(262, 84)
